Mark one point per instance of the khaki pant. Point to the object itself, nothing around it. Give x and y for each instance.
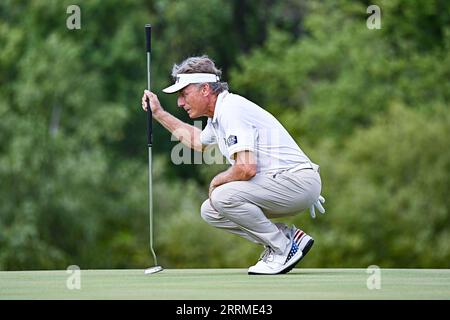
(245, 207)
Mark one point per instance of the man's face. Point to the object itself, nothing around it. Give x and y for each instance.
(192, 100)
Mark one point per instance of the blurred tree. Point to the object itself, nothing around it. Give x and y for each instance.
(73, 156)
(387, 193)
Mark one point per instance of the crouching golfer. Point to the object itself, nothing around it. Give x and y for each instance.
(270, 176)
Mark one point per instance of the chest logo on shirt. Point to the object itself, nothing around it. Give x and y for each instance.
(231, 140)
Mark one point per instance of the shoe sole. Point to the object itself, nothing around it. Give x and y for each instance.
(308, 246)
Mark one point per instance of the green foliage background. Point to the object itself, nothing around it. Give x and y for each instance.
(370, 106)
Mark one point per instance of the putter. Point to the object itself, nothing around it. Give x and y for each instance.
(156, 267)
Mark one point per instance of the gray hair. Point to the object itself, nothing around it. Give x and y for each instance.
(202, 64)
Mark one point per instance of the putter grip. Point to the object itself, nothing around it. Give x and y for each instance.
(148, 37)
(149, 124)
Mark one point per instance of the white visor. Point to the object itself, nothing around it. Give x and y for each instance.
(185, 79)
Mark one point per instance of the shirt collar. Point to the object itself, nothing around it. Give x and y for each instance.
(219, 103)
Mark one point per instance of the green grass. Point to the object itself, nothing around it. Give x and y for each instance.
(227, 284)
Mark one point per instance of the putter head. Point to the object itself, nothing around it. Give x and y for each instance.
(154, 269)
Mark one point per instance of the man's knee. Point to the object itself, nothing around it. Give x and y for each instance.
(206, 210)
(223, 198)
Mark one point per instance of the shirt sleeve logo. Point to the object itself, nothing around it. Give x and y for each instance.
(231, 140)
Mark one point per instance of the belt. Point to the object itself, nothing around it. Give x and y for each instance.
(301, 166)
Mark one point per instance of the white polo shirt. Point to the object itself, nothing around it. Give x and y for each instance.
(239, 124)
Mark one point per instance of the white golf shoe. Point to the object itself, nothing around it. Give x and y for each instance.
(304, 242)
(272, 263)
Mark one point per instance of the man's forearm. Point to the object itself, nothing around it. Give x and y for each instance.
(186, 133)
(243, 170)
(234, 173)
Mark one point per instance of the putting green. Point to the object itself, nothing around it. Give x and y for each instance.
(227, 284)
